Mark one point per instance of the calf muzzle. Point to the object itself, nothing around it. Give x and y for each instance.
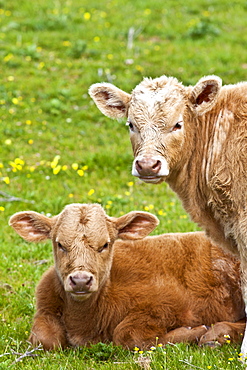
(80, 282)
(151, 169)
(148, 166)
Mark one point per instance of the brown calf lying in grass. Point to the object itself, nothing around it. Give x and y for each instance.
(129, 291)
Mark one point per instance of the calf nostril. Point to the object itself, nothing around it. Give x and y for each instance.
(72, 281)
(90, 280)
(138, 166)
(157, 166)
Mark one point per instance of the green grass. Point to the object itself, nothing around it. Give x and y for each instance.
(56, 148)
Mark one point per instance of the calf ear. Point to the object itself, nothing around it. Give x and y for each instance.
(31, 226)
(110, 100)
(205, 93)
(136, 225)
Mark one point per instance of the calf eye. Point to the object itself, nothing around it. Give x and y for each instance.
(130, 124)
(178, 126)
(105, 246)
(61, 247)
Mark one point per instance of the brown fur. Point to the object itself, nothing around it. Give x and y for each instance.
(194, 138)
(159, 286)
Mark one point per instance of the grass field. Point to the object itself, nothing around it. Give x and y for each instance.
(56, 147)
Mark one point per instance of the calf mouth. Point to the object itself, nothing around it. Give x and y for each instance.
(80, 296)
(152, 179)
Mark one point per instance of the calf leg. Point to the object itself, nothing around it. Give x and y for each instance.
(224, 331)
(185, 334)
(243, 259)
(144, 332)
(139, 330)
(48, 331)
(129, 336)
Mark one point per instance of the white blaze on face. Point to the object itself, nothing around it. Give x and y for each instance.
(151, 98)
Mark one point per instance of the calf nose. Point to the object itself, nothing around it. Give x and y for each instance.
(148, 166)
(81, 281)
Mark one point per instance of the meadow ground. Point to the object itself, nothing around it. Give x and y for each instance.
(56, 148)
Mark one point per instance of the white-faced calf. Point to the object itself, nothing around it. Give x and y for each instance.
(194, 138)
(129, 291)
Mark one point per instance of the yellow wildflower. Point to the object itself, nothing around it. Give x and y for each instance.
(8, 57)
(6, 180)
(75, 166)
(87, 16)
(66, 43)
(80, 172)
(91, 192)
(139, 68)
(57, 169)
(15, 101)
(55, 161)
(41, 65)
(19, 161)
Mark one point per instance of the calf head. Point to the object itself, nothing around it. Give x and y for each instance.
(83, 237)
(156, 113)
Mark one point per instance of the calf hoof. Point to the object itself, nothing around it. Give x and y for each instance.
(210, 343)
